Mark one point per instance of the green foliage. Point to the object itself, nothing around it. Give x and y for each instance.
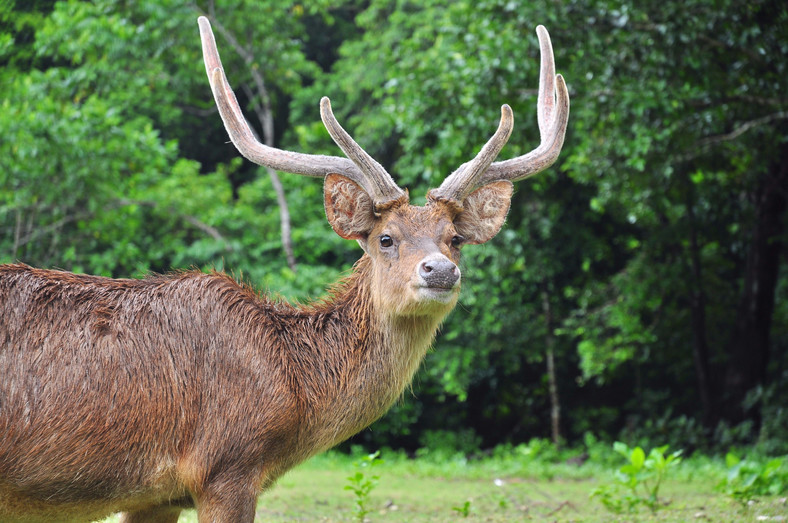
(362, 482)
(609, 236)
(423, 492)
(113, 163)
(600, 452)
(639, 479)
(749, 478)
(652, 430)
(96, 178)
(463, 510)
(773, 401)
(445, 444)
(539, 449)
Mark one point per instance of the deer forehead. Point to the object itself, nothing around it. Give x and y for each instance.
(411, 222)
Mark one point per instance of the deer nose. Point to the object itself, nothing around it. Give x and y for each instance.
(439, 273)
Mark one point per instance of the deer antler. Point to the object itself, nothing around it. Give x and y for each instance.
(362, 169)
(552, 114)
(384, 185)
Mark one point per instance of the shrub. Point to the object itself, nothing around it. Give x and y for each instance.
(638, 481)
(748, 478)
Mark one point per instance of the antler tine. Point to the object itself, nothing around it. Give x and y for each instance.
(464, 180)
(383, 188)
(545, 101)
(552, 114)
(244, 139)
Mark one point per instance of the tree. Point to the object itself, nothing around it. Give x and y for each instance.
(696, 86)
(670, 165)
(106, 104)
(648, 262)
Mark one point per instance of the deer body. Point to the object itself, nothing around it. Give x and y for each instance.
(92, 411)
(148, 396)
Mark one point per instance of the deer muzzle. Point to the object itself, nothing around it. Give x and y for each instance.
(438, 273)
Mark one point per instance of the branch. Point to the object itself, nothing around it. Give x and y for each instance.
(746, 126)
(704, 143)
(211, 231)
(762, 100)
(34, 234)
(704, 103)
(713, 42)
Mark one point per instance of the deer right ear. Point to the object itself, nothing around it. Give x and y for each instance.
(349, 208)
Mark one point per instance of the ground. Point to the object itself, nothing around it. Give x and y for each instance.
(495, 490)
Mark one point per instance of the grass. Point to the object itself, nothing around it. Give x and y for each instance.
(494, 489)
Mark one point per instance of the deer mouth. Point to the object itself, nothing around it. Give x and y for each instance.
(440, 293)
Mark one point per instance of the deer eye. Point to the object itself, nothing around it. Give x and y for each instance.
(386, 241)
(457, 240)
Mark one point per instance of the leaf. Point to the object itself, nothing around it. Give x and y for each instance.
(630, 470)
(621, 448)
(637, 458)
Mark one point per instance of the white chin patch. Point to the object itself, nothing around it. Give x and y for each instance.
(437, 295)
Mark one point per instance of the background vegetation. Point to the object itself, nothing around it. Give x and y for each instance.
(639, 289)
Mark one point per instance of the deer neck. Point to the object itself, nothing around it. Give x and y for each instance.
(375, 363)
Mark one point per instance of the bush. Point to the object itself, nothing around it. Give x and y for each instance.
(639, 479)
(445, 444)
(748, 478)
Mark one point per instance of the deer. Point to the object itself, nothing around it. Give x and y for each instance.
(191, 390)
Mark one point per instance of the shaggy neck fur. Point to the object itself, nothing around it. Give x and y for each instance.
(362, 374)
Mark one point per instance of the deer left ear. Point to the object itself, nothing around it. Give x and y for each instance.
(484, 211)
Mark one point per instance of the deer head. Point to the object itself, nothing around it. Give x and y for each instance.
(414, 250)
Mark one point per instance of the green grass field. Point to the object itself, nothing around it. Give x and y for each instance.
(495, 489)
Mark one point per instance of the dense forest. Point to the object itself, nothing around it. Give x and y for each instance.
(639, 289)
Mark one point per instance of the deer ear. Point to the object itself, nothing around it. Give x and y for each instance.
(484, 211)
(349, 208)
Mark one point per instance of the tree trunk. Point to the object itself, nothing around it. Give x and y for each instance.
(265, 115)
(749, 349)
(555, 404)
(262, 108)
(700, 344)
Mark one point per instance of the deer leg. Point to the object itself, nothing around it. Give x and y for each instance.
(230, 505)
(160, 514)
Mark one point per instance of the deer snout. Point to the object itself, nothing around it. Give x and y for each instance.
(439, 272)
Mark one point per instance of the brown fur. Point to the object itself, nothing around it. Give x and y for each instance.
(150, 395)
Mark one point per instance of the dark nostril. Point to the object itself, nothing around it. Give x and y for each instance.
(439, 273)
